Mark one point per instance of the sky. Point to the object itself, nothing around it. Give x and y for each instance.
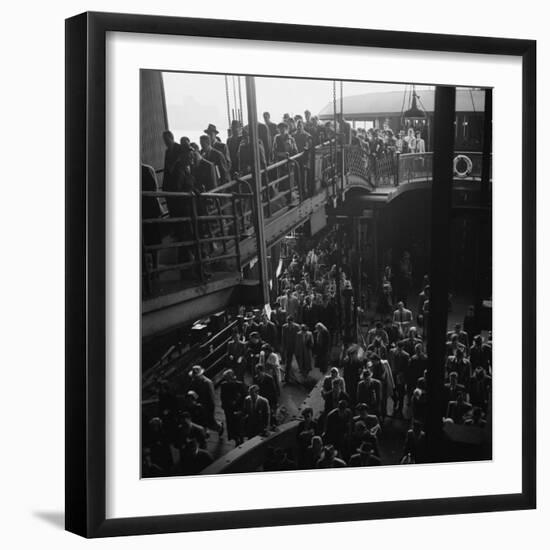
(194, 100)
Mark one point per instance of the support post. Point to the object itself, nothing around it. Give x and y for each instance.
(444, 116)
(256, 171)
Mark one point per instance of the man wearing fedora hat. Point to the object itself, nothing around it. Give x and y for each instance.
(233, 143)
(217, 144)
(216, 157)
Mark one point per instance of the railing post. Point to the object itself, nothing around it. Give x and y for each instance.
(265, 180)
(237, 233)
(259, 214)
(196, 229)
(397, 160)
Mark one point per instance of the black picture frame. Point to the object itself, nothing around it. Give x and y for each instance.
(86, 262)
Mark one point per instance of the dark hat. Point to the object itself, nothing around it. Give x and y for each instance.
(211, 128)
(234, 123)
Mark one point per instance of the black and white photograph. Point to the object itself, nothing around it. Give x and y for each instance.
(294, 314)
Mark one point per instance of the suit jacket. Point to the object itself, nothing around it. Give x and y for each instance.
(256, 415)
(290, 335)
(322, 341)
(268, 332)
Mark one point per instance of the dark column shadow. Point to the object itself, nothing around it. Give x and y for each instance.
(57, 519)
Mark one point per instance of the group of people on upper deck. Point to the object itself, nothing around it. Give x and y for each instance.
(214, 161)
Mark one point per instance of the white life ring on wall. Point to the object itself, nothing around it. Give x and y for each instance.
(466, 162)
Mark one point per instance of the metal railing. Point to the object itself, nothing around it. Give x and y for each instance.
(418, 167)
(206, 235)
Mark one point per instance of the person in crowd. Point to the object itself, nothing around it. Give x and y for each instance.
(453, 388)
(171, 160)
(284, 145)
(359, 434)
(307, 429)
(410, 140)
(400, 361)
(337, 394)
(402, 318)
(369, 392)
(461, 365)
(193, 459)
(193, 406)
(303, 139)
(412, 340)
(420, 144)
(480, 354)
(186, 429)
(304, 350)
(352, 366)
(381, 371)
(232, 395)
(378, 332)
(480, 388)
(313, 453)
(338, 424)
(416, 368)
(419, 403)
(215, 157)
(476, 420)
(272, 366)
(236, 353)
(245, 155)
(256, 413)
(371, 421)
(289, 340)
(233, 143)
(156, 441)
(253, 351)
(267, 386)
(462, 336)
(454, 345)
(268, 331)
(378, 348)
(204, 388)
(212, 132)
(330, 458)
(365, 456)
(415, 444)
(457, 410)
(271, 126)
(321, 347)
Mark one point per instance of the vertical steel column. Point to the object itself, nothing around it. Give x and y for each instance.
(483, 219)
(444, 116)
(259, 211)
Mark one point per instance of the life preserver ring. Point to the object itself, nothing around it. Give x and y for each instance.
(462, 166)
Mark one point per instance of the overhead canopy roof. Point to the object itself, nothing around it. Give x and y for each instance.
(391, 104)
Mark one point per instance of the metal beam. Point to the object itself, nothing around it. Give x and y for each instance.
(444, 117)
(259, 211)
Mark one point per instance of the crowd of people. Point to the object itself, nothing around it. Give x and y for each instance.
(189, 166)
(379, 374)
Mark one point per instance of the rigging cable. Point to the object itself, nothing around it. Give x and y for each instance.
(227, 102)
(240, 117)
(235, 97)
